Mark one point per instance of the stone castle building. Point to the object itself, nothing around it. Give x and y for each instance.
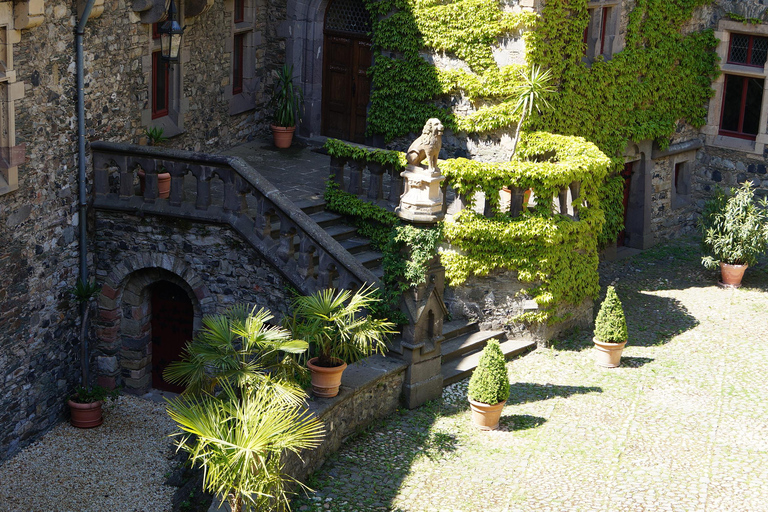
(214, 98)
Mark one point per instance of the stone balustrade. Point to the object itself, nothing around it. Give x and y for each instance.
(372, 180)
(225, 190)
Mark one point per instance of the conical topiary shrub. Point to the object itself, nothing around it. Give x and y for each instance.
(610, 330)
(489, 387)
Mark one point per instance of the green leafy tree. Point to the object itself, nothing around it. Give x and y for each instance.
(735, 228)
(336, 326)
(241, 349)
(490, 381)
(610, 325)
(239, 438)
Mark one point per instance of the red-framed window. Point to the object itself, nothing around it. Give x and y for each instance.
(155, 31)
(603, 25)
(239, 11)
(585, 37)
(237, 63)
(160, 86)
(742, 104)
(747, 50)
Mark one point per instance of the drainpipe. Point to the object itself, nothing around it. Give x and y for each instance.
(82, 199)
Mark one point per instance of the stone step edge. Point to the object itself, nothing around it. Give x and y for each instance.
(469, 343)
(459, 369)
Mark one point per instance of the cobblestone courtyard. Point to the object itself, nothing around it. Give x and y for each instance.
(681, 425)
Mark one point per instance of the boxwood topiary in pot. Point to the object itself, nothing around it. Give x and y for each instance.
(489, 387)
(610, 330)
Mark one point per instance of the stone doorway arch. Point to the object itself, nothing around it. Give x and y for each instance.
(124, 323)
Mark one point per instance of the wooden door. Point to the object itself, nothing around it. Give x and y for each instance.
(621, 238)
(172, 325)
(346, 86)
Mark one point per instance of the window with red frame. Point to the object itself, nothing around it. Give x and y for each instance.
(237, 64)
(742, 102)
(603, 24)
(748, 50)
(160, 86)
(239, 11)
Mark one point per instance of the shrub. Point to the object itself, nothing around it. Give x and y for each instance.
(735, 229)
(490, 382)
(610, 325)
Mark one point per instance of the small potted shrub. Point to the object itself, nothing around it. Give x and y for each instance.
(339, 333)
(735, 233)
(86, 404)
(610, 331)
(287, 101)
(489, 387)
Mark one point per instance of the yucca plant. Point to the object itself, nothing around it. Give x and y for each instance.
(83, 292)
(336, 326)
(735, 228)
(241, 349)
(239, 437)
(287, 99)
(530, 94)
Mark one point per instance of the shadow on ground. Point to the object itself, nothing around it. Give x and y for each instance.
(517, 422)
(525, 392)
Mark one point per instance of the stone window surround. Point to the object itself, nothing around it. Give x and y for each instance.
(613, 43)
(713, 138)
(245, 100)
(178, 105)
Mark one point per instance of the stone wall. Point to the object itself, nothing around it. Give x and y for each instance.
(210, 262)
(39, 222)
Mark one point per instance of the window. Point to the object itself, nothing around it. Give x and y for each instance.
(600, 31)
(237, 64)
(741, 106)
(603, 26)
(681, 181)
(160, 86)
(239, 14)
(747, 50)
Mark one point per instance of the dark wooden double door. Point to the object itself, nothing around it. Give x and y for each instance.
(172, 326)
(346, 86)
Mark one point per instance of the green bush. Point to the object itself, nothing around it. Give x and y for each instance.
(735, 228)
(490, 382)
(610, 325)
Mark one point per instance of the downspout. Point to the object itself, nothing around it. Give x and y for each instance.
(82, 198)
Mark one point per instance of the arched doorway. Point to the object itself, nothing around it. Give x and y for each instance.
(172, 325)
(346, 58)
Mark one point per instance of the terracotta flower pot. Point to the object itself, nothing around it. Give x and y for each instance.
(85, 415)
(163, 183)
(282, 135)
(325, 380)
(608, 355)
(486, 416)
(731, 275)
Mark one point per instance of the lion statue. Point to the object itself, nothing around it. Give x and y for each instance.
(427, 146)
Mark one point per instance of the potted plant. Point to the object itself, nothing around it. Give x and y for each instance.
(735, 233)
(85, 405)
(610, 331)
(287, 101)
(489, 387)
(338, 332)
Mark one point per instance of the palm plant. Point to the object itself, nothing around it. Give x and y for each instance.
(83, 292)
(287, 99)
(336, 328)
(240, 349)
(239, 437)
(529, 94)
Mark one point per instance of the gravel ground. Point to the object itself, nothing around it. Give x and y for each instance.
(119, 466)
(681, 425)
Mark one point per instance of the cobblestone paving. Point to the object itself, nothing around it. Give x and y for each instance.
(681, 425)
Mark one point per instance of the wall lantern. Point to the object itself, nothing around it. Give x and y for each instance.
(170, 35)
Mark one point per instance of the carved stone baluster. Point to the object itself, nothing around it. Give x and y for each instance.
(177, 171)
(287, 232)
(516, 201)
(232, 202)
(126, 179)
(376, 181)
(262, 224)
(562, 197)
(150, 167)
(306, 260)
(395, 184)
(242, 188)
(575, 192)
(337, 170)
(203, 175)
(356, 177)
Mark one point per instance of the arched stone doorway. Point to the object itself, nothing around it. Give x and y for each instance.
(347, 56)
(171, 326)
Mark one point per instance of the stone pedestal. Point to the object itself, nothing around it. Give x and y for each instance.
(422, 201)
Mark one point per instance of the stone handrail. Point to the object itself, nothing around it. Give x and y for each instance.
(281, 232)
(378, 175)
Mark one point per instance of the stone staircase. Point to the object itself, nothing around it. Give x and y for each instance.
(463, 339)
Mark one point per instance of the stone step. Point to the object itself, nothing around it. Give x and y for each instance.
(356, 244)
(341, 232)
(456, 328)
(468, 343)
(461, 368)
(370, 259)
(310, 206)
(326, 219)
